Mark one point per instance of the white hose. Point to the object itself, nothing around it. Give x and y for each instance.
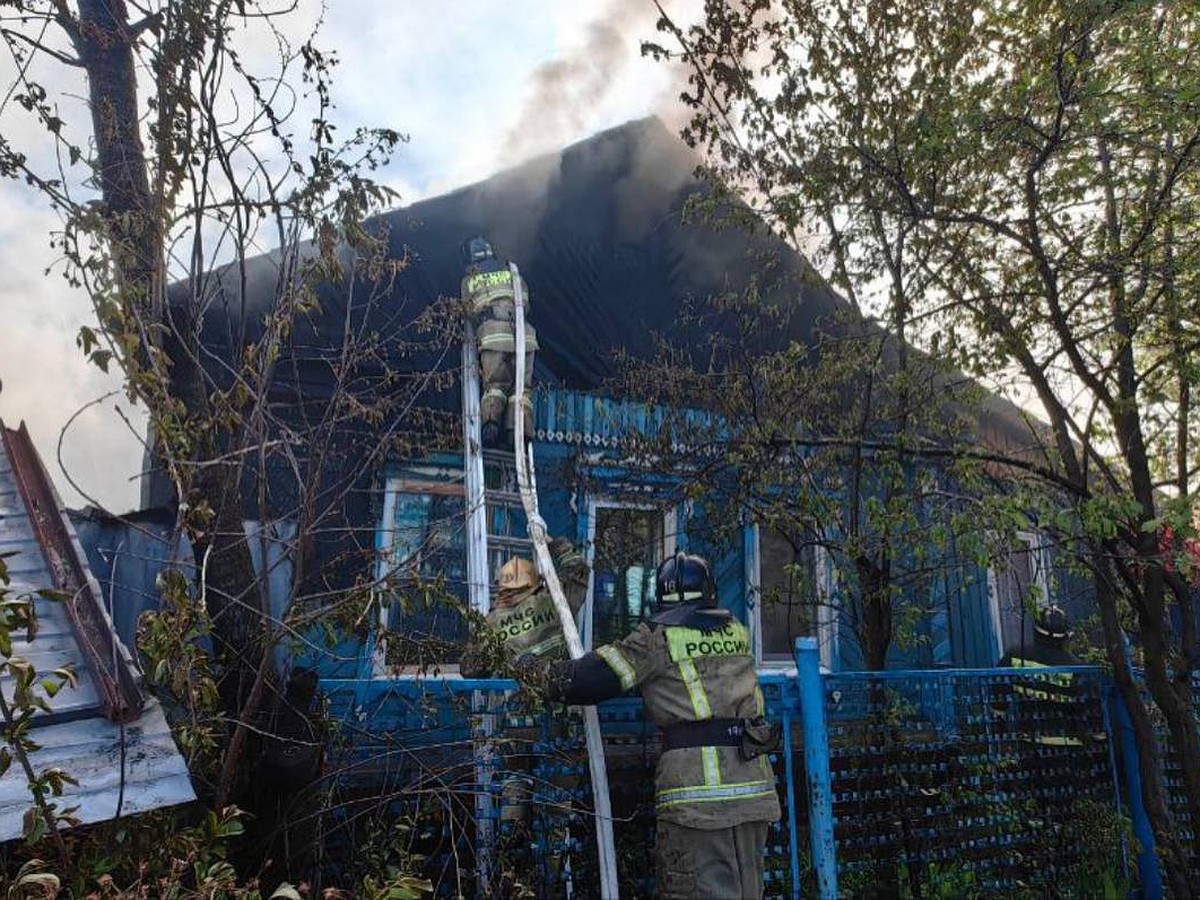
(537, 532)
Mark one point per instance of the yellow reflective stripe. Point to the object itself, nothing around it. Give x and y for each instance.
(711, 763)
(624, 671)
(711, 793)
(501, 341)
(1057, 741)
(687, 643)
(489, 279)
(667, 804)
(545, 646)
(695, 689)
(494, 392)
(734, 786)
(759, 702)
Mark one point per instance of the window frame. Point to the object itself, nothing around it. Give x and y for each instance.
(670, 541)
(416, 480)
(1038, 549)
(827, 614)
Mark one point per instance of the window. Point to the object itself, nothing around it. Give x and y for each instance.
(508, 534)
(788, 598)
(627, 544)
(425, 572)
(423, 558)
(1017, 585)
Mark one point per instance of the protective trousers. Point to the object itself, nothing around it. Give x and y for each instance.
(497, 368)
(714, 864)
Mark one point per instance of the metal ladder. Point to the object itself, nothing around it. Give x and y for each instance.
(485, 507)
(479, 587)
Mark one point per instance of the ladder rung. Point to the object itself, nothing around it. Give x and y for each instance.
(509, 497)
(500, 540)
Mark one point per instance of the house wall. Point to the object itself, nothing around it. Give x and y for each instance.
(579, 465)
(578, 461)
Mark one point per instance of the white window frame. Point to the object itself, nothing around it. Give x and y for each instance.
(670, 523)
(421, 476)
(1039, 552)
(827, 615)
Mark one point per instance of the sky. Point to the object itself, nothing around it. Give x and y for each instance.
(477, 86)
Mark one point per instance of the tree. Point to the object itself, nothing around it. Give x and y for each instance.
(188, 165)
(1039, 160)
(840, 444)
(857, 463)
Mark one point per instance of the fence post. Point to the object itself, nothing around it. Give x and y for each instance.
(1148, 873)
(789, 770)
(816, 767)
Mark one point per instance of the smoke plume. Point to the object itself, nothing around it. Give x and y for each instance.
(564, 93)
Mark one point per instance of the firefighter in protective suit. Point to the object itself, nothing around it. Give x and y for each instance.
(487, 287)
(1051, 629)
(714, 788)
(523, 623)
(523, 618)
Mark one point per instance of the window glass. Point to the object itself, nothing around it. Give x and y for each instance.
(1020, 587)
(788, 601)
(427, 556)
(628, 547)
(428, 562)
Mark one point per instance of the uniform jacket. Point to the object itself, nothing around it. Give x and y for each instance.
(1038, 653)
(699, 669)
(526, 621)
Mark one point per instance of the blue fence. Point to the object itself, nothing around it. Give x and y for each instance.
(922, 783)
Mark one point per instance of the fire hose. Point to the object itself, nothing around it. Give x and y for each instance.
(537, 532)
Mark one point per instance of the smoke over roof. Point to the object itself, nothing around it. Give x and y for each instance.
(564, 90)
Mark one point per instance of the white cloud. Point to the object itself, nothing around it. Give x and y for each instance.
(454, 78)
(45, 378)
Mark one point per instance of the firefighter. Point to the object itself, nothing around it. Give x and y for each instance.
(523, 620)
(523, 623)
(1041, 705)
(487, 287)
(1051, 629)
(714, 787)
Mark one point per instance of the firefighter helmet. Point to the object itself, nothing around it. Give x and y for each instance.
(518, 574)
(685, 578)
(1051, 622)
(476, 250)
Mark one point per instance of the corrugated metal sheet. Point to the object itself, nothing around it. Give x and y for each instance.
(75, 736)
(153, 775)
(55, 644)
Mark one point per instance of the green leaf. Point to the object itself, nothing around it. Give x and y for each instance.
(86, 340)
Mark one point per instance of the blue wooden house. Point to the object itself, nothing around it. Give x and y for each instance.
(613, 260)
